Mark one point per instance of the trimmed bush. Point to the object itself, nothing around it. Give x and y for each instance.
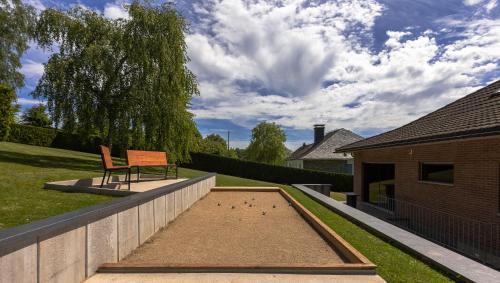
(269, 173)
(32, 135)
(48, 137)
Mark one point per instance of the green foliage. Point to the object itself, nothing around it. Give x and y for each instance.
(124, 80)
(15, 28)
(266, 172)
(32, 135)
(7, 110)
(267, 144)
(48, 137)
(214, 144)
(241, 153)
(36, 116)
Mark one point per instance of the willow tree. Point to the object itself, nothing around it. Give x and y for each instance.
(267, 144)
(15, 27)
(125, 80)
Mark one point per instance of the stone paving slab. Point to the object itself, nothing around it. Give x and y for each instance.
(448, 260)
(116, 186)
(229, 278)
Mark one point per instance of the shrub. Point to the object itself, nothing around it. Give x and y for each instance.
(32, 135)
(7, 110)
(266, 172)
(49, 137)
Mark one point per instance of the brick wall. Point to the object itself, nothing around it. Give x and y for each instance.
(476, 189)
(336, 166)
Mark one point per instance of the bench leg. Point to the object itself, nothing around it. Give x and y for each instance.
(166, 172)
(129, 177)
(103, 177)
(176, 172)
(138, 174)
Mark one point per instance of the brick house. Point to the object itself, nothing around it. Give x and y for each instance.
(321, 154)
(447, 161)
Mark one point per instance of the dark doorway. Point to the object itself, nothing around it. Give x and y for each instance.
(379, 184)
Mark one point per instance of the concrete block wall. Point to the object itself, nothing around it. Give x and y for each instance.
(74, 254)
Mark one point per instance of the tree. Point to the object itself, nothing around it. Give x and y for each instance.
(214, 144)
(15, 30)
(36, 116)
(7, 110)
(267, 144)
(241, 153)
(125, 80)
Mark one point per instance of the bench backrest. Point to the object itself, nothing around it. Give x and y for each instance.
(107, 162)
(146, 158)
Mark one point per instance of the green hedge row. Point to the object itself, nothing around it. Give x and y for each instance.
(269, 173)
(53, 138)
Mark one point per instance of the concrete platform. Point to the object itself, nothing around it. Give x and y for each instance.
(229, 277)
(116, 186)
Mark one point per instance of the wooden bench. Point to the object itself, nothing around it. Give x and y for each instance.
(108, 166)
(141, 158)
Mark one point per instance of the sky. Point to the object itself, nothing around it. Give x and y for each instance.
(364, 65)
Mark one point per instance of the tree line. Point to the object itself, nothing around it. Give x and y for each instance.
(267, 145)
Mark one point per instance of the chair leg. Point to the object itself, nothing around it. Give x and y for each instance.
(103, 177)
(109, 175)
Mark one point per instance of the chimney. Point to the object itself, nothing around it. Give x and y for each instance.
(319, 132)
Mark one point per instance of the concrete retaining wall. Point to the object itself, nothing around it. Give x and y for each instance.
(70, 247)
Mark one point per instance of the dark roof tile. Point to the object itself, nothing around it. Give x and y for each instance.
(326, 148)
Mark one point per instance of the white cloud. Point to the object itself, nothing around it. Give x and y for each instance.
(472, 2)
(286, 52)
(27, 101)
(115, 11)
(37, 4)
(32, 69)
(487, 5)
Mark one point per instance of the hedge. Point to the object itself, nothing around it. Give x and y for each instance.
(49, 137)
(269, 173)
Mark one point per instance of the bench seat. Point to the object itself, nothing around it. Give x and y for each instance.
(141, 158)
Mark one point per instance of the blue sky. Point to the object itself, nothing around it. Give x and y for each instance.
(365, 65)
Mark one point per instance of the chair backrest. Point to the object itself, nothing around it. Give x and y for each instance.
(107, 162)
(146, 158)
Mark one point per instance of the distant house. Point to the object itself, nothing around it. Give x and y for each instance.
(321, 154)
(445, 164)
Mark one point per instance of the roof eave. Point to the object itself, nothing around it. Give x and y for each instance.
(493, 131)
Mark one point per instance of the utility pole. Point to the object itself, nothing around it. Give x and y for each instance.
(227, 140)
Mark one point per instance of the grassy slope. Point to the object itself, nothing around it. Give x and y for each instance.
(24, 169)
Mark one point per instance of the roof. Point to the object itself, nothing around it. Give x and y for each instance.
(325, 149)
(474, 115)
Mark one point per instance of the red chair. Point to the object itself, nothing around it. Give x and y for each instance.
(108, 166)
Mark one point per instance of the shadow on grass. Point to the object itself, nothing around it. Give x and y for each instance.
(47, 161)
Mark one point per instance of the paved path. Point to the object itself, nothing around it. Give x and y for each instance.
(447, 259)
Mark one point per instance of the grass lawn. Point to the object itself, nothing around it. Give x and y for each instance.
(23, 171)
(25, 168)
(338, 196)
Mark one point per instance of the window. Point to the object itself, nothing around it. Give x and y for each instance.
(437, 172)
(379, 184)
